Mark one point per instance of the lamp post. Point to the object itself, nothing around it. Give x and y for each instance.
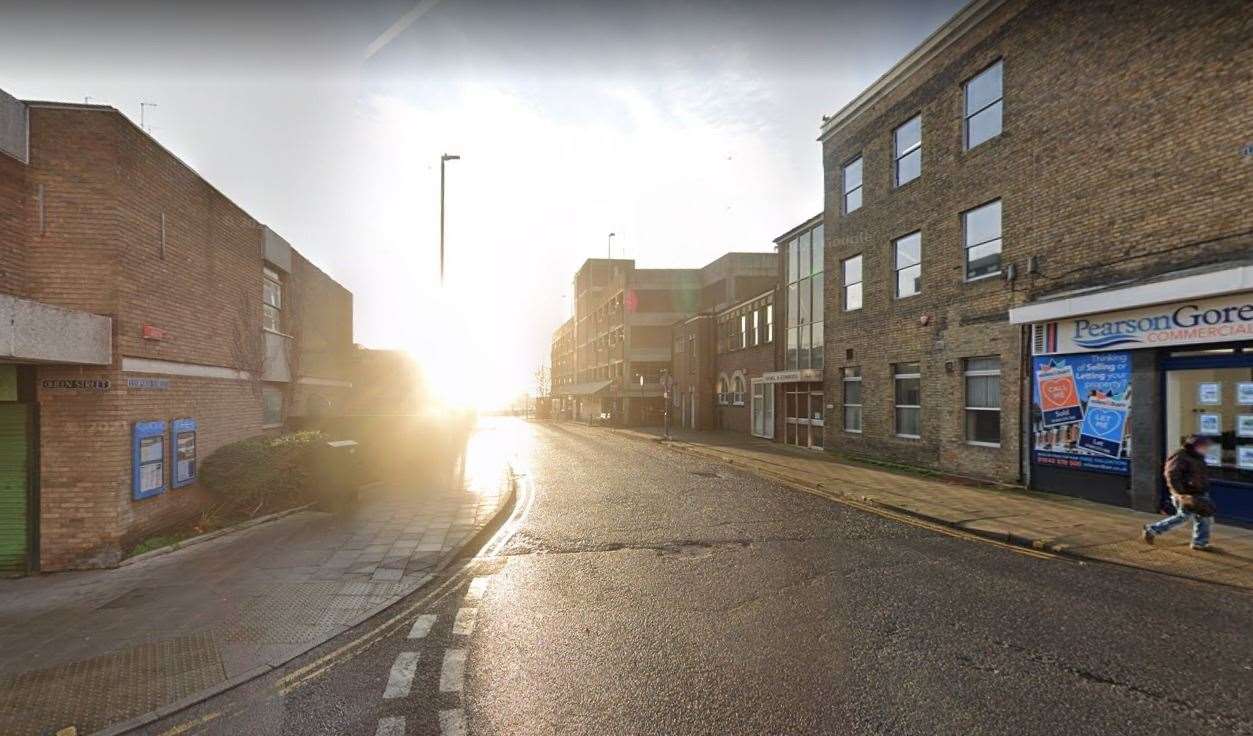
(609, 254)
(641, 399)
(443, 159)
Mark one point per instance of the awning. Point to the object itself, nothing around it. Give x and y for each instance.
(582, 389)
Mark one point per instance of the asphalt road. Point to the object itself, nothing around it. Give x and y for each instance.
(641, 591)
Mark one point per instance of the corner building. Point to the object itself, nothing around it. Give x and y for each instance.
(1040, 158)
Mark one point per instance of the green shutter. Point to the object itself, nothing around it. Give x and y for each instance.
(13, 480)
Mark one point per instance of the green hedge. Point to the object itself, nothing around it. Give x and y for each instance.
(261, 475)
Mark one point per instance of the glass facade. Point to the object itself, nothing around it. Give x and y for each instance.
(805, 295)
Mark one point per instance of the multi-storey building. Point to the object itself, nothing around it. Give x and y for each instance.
(1029, 220)
(621, 329)
(147, 320)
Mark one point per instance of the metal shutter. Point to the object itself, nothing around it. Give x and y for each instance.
(13, 481)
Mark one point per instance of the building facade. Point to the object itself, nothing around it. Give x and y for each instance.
(150, 320)
(988, 213)
(745, 352)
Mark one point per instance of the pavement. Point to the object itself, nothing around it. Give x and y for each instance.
(643, 592)
(94, 648)
(1045, 521)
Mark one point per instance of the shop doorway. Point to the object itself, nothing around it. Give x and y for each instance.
(803, 414)
(1210, 392)
(16, 439)
(763, 408)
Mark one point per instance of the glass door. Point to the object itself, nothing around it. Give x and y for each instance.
(804, 418)
(1211, 393)
(763, 408)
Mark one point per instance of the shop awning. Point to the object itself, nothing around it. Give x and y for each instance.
(582, 389)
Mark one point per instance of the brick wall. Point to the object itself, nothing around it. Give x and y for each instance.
(1111, 166)
(750, 363)
(695, 376)
(15, 209)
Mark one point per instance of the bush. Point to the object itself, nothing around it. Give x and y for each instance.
(261, 475)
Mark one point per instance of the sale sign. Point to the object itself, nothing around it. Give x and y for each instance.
(1059, 396)
(1104, 425)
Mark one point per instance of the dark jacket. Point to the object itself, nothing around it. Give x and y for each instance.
(1186, 473)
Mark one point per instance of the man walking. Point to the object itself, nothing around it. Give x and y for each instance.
(1186, 479)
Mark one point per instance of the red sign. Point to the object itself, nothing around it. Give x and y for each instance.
(632, 301)
(153, 333)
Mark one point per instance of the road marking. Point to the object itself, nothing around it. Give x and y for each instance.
(391, 726)
(453, 671)
(400, 679)
(189, 725)
(477, 587)
(452, 723)
(463, 625)
(422, 626)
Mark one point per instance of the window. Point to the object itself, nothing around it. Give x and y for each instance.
(983, 105)
(852, 283)
(745, 339)
(723, 389)
(852, 185)
(271, 300)
(982, 231)
(907, 259)
(805, 308)
(852, 399)
(769, 323)
(907, 151)
(908, 385)
(756, 326)
(738, 399)
(271, 406)
(983, 401)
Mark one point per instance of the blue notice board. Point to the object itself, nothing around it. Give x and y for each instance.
(148, 458)
(183, 449)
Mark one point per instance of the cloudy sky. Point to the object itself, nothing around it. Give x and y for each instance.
(688, 128)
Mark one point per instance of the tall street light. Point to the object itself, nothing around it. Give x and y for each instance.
(443, 159)
(610, 253)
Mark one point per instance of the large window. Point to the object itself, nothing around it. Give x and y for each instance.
(805, 300)
(907, 257)
(769, 323)
(271, 300)
(983, 105)
(907, 151)
(983, 401)
(852, 185)
(852, 283)
(907, 379)
(852, 399)
(981, 228)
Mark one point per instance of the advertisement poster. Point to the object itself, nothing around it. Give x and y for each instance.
(1214, 455)
(1209, 393)
(1244, 456)
(1081, 411)
(1244, 393)
(1244, 425)
(1210, 424)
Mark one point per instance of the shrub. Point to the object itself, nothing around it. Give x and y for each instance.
(261, 475)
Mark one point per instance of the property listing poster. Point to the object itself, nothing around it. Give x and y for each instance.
(1081, 411)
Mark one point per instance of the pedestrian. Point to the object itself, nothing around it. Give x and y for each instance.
(1189, 493)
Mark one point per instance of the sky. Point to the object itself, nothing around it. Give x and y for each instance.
(687, 128)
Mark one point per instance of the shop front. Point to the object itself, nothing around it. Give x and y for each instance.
(801, 395)
(1114, 392)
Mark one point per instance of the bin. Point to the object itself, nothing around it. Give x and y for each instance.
(338, 470)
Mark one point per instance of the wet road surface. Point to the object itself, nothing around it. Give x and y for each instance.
(640, 591)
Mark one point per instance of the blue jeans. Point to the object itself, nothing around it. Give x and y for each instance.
(1200, 524)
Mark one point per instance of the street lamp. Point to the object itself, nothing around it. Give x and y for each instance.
(443, 159)
(610, 253)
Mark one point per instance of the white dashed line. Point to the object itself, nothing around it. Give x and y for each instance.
(453, 671)
(400, 680)
(393, 726)
(422, 626)
(452, 723)
(463, 625)
(477, 587)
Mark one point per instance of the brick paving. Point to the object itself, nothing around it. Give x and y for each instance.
(96, 647)
(1046, 521)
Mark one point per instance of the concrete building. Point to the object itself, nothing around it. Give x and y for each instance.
(621, 330)
(998, 223)
(147, 320)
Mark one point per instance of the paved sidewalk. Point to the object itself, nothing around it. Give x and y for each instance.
(1044, 521)
(95, 648)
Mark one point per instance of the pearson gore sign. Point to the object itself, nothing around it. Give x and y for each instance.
(1216, 319)
(1081, 406)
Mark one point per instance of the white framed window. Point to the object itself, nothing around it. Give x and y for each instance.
(724, 390)
(271, 300)
(769, 323)
(984, 101)
(983, 401)
(907, 151)
(907, 385)
(907, 262)
(851, 383)
(738, 384)
(745, 339)
(852, 283)
(756, 327)
(852, 185)
(981, 230)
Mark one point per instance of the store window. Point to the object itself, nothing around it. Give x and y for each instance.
(907, 151)
(983, 401)
(852, 283)
(982, 231)
(852, 185)
(983, 105)
(907, 379)
(852, 398)
(907, 257)
(271, 300)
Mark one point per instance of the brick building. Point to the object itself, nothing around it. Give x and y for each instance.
(985, 202)
(744, 353)
(148, 320)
